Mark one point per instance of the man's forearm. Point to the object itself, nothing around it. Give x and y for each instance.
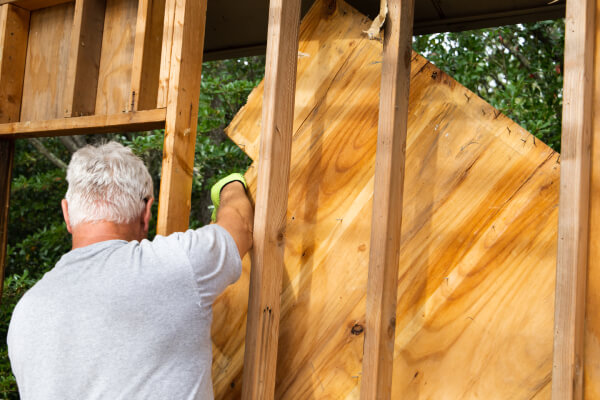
(236, 215)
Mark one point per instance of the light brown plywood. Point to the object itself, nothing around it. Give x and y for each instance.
(479, 228)
(386, 218)
(33, 5)
(47, 60)
(114, 82)
(262, 333)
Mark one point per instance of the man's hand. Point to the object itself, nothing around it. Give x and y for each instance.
(234, 211)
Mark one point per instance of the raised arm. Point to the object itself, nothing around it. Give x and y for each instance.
(236, 215)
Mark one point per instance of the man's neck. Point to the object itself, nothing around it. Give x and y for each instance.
(86, 234)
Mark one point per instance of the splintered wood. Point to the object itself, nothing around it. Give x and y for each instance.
(476, 273)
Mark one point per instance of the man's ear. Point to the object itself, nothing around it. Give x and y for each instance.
(147, 215)
(65, 209)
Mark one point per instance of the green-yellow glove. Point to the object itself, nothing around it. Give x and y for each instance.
(215, 191)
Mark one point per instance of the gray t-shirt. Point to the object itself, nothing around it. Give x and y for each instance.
(124, 320)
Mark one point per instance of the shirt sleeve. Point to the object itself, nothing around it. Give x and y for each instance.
(214, 258)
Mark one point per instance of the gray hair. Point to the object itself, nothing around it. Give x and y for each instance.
(107, 183)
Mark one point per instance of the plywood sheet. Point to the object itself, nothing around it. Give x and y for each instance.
(46, 65)
(116, 59)
(477, 264)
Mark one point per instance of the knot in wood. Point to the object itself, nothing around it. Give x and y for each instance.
(357, 329)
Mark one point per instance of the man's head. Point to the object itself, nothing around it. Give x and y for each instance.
(108, 186)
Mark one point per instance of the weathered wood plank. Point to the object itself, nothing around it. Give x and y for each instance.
(591, 366)
(146, 54)
(47, 60)
(114, 82)
(384, 254)
(84, 58)
(124, 122)
(262, 333)
(479, 229)
(571, 265)
(33, 5)
(14, 28)
(184, 35)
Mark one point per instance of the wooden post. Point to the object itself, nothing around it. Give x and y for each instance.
(14, 29)
(183, 35)
(145, 70)
(591, 384)
(387, 203)
(571, 269)
(262, 331)
(84, 58)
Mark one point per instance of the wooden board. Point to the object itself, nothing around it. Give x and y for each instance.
(262, 333)
(591, 378)
(14, 24)
(378, 353)
(183, 44)
(33, 5)
(84, 58)
(47, 60)
(114, 82)
(479, 229)
(125, 122)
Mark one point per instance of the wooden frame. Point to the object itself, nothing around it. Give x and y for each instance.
(573, 226)
(100, 86)
(262, 329)
(387, 203)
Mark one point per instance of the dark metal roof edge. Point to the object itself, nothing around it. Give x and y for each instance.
(490, 20)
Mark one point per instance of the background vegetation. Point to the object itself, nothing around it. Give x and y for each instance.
(518, 69)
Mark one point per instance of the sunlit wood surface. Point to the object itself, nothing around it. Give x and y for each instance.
(477, 264)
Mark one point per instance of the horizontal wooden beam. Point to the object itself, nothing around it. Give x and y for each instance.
(126, 122)
(33, 5)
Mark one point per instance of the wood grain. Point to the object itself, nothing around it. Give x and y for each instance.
(479, 228)
(184, 35)
(571, 264)
(262, 333)
(33, 5)
(146, 54)
(114, 82)
(47, 60)
(84, 58)
(14, 28)
(124, 122)
(378, 359)
(591, 383)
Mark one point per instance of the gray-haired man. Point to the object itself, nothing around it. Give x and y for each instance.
(121, 317)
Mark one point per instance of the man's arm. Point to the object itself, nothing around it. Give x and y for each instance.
(236, 215)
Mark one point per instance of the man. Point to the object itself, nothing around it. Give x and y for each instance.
(121, 317)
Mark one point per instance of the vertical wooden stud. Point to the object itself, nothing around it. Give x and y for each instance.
(591, 383)
(84, 58)
(387, 203)
(14, 29)
(147, 55)
(571, 268)
(183, 44)
(262, 332)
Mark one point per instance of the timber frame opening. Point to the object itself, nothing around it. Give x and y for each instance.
(81, 92)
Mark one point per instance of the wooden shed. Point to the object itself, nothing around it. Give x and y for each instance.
(409, 241)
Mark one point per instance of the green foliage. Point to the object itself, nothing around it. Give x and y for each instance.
(517, 69)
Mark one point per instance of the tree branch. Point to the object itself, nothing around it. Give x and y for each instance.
(69, 143)
(513, 50)
(80, 140)
(47, 153)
